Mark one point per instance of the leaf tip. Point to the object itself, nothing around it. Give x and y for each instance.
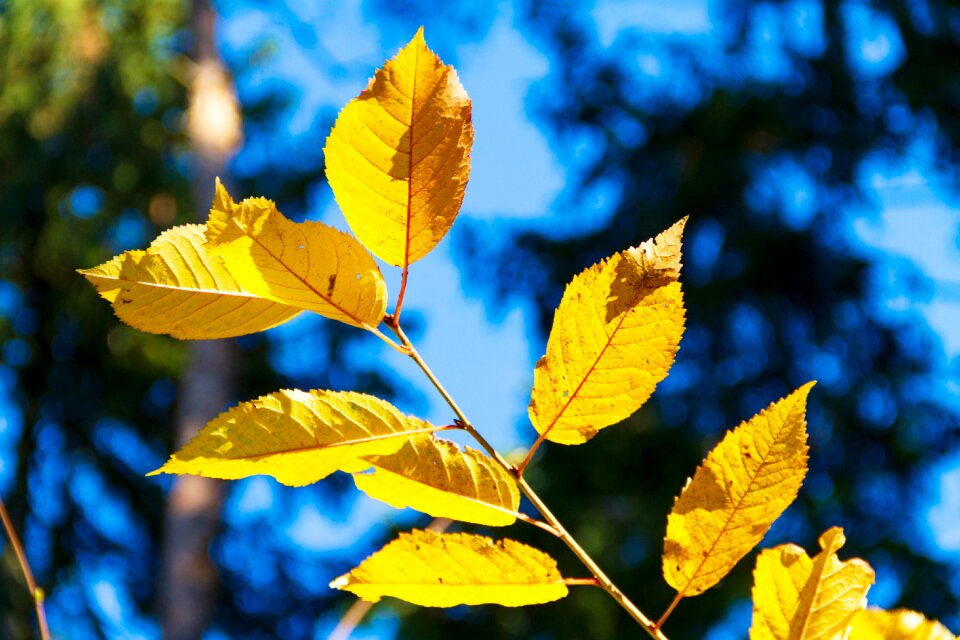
(340, 582)
(832, 539)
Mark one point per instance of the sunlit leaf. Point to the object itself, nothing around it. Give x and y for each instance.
(901, 624)
(434, 476)
(614, 337)
(743, 485)
(307, 265)
(447, 569)
(398, 157)
(796, 597)
(176, 287)
(298, 437)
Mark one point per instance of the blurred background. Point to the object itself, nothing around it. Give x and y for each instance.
(814, 145)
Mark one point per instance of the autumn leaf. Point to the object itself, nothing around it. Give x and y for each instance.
(743, 485)
(307, 265)
(298, 437)
(176, 287)
(796, 597)
(434, 476)
(448, 569)
(398, 157)
(900, 624)
(614, 337)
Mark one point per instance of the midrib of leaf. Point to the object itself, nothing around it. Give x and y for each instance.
(302, 280)
(736, 508)
(818, 571)
(340, 443)
(413, 113)
(586, 375)
(157, 285)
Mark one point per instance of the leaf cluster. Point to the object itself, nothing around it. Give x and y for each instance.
(398, 163)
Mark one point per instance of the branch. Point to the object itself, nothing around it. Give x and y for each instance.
(36, 593)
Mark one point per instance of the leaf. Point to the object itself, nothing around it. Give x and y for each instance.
(298, 437)
(901, 624)
(176, 287)
(307, 265)
(447, 569)
(743, 485)
(434, 476)
(614, 337)
(398, 157)
(799, 598)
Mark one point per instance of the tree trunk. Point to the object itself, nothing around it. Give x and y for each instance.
(189, 578)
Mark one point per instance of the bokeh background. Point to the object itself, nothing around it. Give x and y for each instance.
(814, 145)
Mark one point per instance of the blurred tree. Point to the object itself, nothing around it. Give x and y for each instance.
(85, 170)
(95, 159)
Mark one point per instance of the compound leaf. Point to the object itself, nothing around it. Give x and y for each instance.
(307, 265)
(900, 624)
(398, 157)
(796, 597)
(614, 337)
(434, 476)
(743, 485)
(298, 437)
(176, 287)
(448, 569)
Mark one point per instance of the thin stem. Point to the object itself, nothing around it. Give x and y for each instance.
(666, 614)
(537, 523)
(603, 581)
(529, 456)
(403, 290)
(385, 338)
(36, 593)
(585, 582)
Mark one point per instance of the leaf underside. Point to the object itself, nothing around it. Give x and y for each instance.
(742, 486)
(449, 569)
(796, 597)
(398, 157)
(298, 437)
(434, 476)
(178, 288)
(614, 337)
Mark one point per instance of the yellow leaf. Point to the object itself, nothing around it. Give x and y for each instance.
(796, 597)
(901, 624)
(298, 437)
(307, 265)
(743, 485)
(436, 477)
(398, 158)
(176, 287)
(614, 337)
(447, 569)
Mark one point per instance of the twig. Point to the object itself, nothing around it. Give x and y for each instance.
(36, 593)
